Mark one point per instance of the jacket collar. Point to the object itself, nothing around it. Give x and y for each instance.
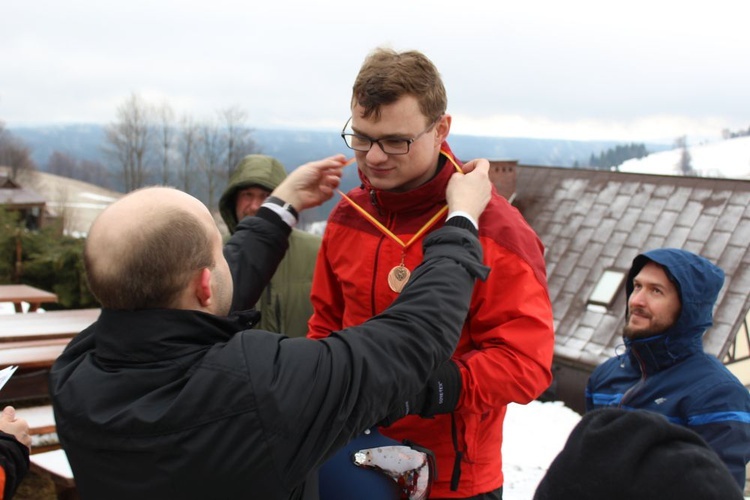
(150, 335)
(657, 353)
(419, 199)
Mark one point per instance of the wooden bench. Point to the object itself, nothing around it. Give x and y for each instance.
(33, 342)
(55, 465)
(34, 359)
(50, 325)
(42, 427)
(30, 355)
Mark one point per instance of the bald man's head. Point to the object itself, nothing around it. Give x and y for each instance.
(143, 251)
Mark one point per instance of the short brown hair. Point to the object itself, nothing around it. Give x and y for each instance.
(387, 75)
(156, 266)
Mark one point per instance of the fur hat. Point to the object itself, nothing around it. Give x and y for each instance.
(619, 454)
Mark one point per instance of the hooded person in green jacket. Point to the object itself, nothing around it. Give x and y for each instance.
(285, 303)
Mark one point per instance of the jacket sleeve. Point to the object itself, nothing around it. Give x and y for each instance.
(510, 330)
(721, 415)
(321, 393)
(14, 462)
(253, 253)
(326, 296)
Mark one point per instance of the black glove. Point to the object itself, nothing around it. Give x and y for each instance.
(440, 395)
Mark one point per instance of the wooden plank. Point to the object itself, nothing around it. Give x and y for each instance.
(41, 419)
(49, 325)
(34, 360)
(40, 356)
(42, 427)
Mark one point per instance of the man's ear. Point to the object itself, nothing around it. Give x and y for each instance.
(203, 287)
(443, 128)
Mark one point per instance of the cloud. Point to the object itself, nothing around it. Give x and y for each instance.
(584, 69)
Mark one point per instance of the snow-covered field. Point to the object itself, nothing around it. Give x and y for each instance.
(533, 435)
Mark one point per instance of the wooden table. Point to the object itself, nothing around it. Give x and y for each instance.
(25, 293)
(49, 325)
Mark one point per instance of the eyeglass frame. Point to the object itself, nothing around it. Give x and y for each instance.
(408, 142)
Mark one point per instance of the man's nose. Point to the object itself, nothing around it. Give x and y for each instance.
(376, 154)
(636, 298)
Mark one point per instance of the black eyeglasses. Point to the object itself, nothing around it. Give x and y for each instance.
(390, 146)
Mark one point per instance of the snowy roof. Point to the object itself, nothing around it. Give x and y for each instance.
(593, 220)
(12, 194)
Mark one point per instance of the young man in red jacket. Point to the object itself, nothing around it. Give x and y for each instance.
(398, 130)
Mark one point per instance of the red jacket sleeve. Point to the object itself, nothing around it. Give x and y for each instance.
(505, 352)
(326, 297)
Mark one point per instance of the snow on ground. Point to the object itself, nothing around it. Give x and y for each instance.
(7, 307)
(729, 159)
(533, 435)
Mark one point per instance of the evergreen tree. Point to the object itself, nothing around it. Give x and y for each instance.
(613, 157)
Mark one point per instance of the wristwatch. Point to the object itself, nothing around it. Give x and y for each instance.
(283, 204)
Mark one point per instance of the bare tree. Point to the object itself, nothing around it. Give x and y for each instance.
(684, 165)
(166, 132)
(14, 154)
(211, 153)
(95, 172)
(90, 171)
(129, 138)
(237, 140)
(62, 164)
(188, 144)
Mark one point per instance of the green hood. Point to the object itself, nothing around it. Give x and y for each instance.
(254, 170)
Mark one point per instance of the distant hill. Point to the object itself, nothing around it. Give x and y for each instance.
(294, 147)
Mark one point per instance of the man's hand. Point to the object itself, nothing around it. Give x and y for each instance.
(18, 427)
(471, 191)
(311, 184)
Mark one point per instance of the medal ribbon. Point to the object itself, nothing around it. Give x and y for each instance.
(387, 231)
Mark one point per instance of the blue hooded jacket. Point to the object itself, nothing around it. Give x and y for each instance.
(670, 374)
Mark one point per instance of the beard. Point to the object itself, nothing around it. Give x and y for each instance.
(655, 327)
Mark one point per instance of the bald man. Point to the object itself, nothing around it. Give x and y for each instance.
(166, 397)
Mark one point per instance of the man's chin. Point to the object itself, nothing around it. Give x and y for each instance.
(630, 332)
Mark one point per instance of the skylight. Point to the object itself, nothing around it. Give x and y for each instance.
(606, 289)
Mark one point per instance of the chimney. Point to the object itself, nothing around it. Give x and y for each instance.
(503, 176)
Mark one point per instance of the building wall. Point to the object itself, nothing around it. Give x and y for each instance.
(569, 384)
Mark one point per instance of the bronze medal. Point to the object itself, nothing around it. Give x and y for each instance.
(398, 277)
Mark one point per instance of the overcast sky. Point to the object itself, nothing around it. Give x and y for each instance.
(576, 69)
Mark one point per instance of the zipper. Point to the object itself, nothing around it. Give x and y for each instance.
(638, 385)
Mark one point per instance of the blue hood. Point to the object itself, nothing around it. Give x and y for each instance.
(698, 283)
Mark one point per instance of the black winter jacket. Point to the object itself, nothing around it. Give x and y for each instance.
(14, 460)
(174, 404)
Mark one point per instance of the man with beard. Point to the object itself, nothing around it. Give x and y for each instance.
(671, 294)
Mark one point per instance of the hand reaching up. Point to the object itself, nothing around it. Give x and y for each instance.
(470, 192)
(311, 184)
